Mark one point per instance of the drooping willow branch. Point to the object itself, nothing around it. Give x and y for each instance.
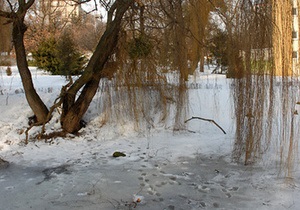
(208, 120)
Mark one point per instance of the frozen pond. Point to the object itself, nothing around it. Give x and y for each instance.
(104, 182)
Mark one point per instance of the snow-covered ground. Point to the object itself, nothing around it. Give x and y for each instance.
(161, 170)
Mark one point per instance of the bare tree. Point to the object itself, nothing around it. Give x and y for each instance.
(74, 106)
(88, 32)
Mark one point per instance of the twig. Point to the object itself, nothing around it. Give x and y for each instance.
(28, 129)
(204, 119)
(57, 103)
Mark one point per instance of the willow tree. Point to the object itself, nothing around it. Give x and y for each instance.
(74, 104)
(121, 55)
(285, 52)
(153, 41)
(199, 16)
(133, 72)
(265, 89)
(251, 86)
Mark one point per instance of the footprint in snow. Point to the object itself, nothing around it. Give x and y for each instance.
(228, 190)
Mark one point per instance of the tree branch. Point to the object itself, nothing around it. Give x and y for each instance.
(29, 3)
(10, 5)
(6, 14)
(208, 120)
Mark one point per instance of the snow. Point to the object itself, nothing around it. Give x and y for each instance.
(162, 169)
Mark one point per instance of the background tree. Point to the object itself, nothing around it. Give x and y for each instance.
(217, 45)
(88, 31)
(5, 33)
(72, 62)
(199, 12)
(46, 55)
(38, 24)
(44, 21)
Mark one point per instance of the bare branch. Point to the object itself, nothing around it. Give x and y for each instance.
(208, 120)
(105, 4)
(28, 5)
(6, 14)
(57, 103)
(10, 5)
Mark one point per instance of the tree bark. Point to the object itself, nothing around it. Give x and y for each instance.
(73, 111)
(19, 28)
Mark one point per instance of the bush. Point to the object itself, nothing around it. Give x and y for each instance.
(71, 60)
(46, 56)
(59, 57)
(8, 71)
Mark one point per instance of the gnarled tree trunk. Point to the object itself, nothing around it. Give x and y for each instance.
(73, 110)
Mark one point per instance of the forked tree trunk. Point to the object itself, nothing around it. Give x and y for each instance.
(71, 121)
(73, 109)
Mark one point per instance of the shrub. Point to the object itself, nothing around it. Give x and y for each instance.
(8, 71)
(71, 60)
(59, 57)
(46, 56)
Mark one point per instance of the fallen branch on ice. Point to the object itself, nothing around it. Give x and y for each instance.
(208, 120)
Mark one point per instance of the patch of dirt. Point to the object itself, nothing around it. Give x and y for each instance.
(3, 164)
(50, 173)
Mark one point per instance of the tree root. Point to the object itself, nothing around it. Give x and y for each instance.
(32, 120)
(52, 135)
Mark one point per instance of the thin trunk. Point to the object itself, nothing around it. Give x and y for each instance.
(36, 104)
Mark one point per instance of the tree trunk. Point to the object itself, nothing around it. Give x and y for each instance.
(73, 111)
(36, 104)
(71, 121)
